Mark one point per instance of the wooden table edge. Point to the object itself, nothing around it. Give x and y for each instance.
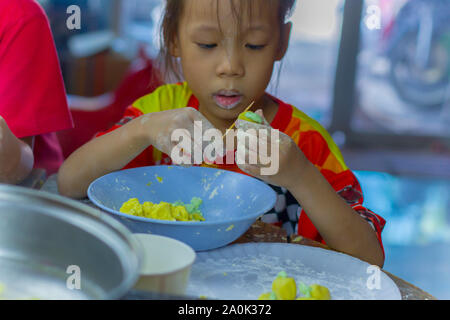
(263, 232)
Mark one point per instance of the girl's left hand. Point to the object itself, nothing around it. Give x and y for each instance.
(279, 160)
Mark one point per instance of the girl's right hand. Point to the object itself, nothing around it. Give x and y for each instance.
(179, 134)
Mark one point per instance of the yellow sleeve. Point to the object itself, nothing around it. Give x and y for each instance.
(165, 97)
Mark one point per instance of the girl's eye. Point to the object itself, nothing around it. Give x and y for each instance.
(254, 47)
(207, 46)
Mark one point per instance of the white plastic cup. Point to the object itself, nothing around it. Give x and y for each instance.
(166, 264)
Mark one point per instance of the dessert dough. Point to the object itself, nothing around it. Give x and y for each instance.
(178, 211)
(285, 288)
(251, 117)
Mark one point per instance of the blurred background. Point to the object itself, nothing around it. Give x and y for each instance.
(375, 73)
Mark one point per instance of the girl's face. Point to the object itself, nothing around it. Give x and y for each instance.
(227, 62)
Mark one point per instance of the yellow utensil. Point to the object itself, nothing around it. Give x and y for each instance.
(234, 123)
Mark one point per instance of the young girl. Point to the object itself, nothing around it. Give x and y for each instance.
(227, 50)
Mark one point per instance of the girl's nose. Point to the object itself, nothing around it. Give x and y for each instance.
(231, 64)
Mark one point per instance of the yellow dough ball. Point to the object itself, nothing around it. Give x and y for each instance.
(147, 208)
(132, 206)
(162, 211)
(284, 287)
(320, 292)
(180, 213)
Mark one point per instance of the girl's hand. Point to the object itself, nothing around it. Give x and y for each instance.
(169, 131)
(114, 150)
(284, 162)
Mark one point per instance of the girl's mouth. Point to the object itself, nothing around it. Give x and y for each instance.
(227, 101)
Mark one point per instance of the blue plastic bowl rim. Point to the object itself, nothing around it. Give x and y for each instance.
(181, 223)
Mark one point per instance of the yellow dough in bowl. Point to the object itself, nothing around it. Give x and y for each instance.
(177, 211)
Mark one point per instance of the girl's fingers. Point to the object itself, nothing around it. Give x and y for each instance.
(261, 114)
(189, 144)
(250, 169)
(180, 156)
(260, 130)
(203, 126)
(245, 125)
(255, 140)
(252, 158)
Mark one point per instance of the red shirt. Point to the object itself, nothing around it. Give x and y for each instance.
(32, 94)
(315, 143)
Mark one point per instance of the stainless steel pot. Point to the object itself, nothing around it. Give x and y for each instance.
(52, 247)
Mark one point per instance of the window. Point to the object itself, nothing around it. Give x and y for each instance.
(404, 68)
(139, 23)
(307, 75)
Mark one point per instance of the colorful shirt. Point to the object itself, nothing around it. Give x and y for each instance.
(32, 95)
(308, 134)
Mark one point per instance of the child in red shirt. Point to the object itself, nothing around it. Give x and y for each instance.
(227, 50)
(33, 104)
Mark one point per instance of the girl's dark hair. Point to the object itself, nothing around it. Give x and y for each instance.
(169, 28)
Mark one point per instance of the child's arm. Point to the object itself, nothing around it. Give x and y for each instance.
(116, 149)
(341, 227)
(16, 155)
(100, 156)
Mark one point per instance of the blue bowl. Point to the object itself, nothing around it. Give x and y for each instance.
(232, 202)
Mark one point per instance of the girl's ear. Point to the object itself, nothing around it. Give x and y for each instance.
(284, 40)
(174, 47)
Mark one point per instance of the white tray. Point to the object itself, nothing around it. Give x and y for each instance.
(244, 271)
